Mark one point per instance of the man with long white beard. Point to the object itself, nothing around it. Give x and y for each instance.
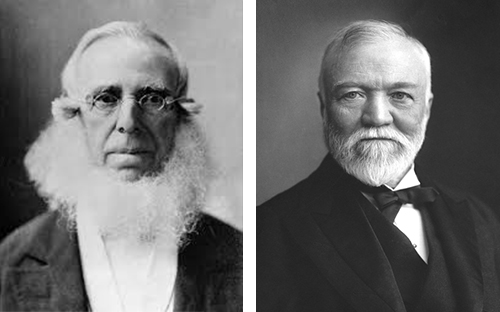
(124, 169)
(368, 231)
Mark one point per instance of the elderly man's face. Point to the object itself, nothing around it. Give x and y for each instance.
(128, 140)
(377, 97)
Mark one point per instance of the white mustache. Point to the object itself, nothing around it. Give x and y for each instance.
(379, 134)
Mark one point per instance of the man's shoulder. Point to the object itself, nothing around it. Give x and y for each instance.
(454, 197)
(213, 256)
(34, 231)
(217, 232)
(319, 179)
(215, 241)
(286, 198)
(479, 209)
(308, 195)
(321, 183)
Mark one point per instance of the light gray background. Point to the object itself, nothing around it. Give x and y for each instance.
(38, 36)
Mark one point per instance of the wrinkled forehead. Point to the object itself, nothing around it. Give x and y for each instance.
(127, 41)
(399, 56)
(121, 58)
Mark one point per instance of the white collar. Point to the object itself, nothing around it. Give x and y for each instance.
(100, 275)
(409, 180)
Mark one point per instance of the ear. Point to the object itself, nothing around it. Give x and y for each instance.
(428, 105)
(64, 108)
(427, 110)
(321, 104)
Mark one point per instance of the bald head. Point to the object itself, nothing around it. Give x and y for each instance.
(137, 32)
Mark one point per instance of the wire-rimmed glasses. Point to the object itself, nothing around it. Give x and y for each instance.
(151, 103)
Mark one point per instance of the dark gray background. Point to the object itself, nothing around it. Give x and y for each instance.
(462, 147)
(38, 36)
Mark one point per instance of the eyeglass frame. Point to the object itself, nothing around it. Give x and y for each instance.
(90, 100)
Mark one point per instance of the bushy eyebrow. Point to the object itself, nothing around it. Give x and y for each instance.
(115, 90)
(154, 85)
(405, 85)
(153, 89)
(352, 84)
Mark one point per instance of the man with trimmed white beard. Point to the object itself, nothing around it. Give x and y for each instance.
(125, 171)
(368, 231)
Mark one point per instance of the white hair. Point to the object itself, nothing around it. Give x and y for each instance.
(166, 204)
(374, 162)
(133, 30)
(359, 33)
(66, 107)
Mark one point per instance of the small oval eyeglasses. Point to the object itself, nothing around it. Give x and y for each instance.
(152, 103)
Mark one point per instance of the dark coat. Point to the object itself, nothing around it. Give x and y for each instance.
(41, 271)
(316, 250)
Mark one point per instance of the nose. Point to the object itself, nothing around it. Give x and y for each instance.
(376, 112)
(128, 117)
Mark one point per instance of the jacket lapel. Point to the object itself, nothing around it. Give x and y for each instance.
(209, 273)
(47, 276)
(333, 230)
(454, 222)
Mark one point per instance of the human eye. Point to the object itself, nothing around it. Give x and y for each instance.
(105, 101)
(152, 101)
(401, 96)
(351, 96)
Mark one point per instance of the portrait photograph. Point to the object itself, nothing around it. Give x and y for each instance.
(376, 157)
(121, 156)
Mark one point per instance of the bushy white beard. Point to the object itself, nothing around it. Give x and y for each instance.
(374, 162)
(162, 206)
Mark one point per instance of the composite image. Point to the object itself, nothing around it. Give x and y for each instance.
(355, 141)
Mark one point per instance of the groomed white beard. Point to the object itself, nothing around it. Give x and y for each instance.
(374, 162)
(164, 206)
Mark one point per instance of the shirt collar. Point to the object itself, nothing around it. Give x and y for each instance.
(101, 281)
(409, 180)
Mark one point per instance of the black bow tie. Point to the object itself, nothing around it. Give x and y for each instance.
(389, 202)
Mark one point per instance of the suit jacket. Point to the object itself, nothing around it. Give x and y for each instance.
(316, 250)
(41, 271)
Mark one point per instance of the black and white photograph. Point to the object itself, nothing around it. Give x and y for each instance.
(121, 156)
(377, 155)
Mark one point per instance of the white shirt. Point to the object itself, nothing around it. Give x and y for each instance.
(126, 277)
(409, 219)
